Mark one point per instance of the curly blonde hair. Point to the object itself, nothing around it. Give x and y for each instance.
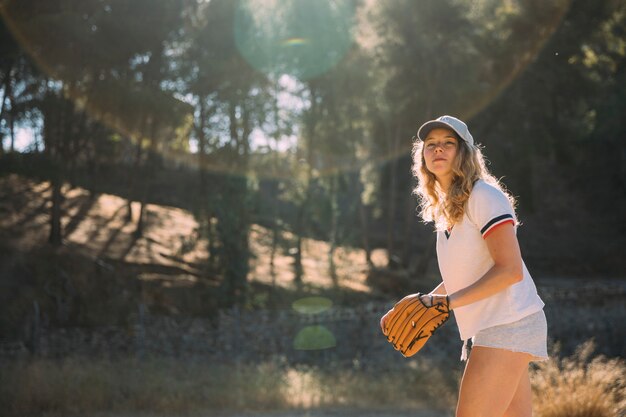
(446, 209)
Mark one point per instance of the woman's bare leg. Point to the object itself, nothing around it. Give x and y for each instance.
(491, 381)
(521, 405)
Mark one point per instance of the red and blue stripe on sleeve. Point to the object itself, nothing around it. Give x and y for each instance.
(495, 223)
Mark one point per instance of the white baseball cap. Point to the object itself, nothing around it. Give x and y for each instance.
(447, 122)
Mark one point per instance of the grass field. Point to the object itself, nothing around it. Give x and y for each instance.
(174, 387)
(581, 385)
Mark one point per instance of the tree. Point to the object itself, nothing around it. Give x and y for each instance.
(226, 92)
(71, 42)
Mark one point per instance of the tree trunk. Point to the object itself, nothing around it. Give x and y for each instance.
(204, 206)
(233, 224)
(133, 173)
(56, 233)
(233, 230)
(409, 229)
(365, 238)
(6, 87)
(301, 227)
(334, 220)
(152, 77)
(275, 222)
(202, 147)
(148, 176)
(274, 248)
(12, 123)
(303, 209)
(275, 184)
(391, 235)
(55, 114)
(297, 261)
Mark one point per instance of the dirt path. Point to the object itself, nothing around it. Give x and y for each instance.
(347, 412)
(344, 413)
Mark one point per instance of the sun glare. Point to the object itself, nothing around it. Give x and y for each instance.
(296, 41)
(298, 37)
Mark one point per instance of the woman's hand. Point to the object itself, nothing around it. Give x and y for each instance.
(428, 300)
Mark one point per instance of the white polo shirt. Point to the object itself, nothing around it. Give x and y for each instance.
(464, 258)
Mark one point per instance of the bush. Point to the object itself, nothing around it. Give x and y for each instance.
(580, 386)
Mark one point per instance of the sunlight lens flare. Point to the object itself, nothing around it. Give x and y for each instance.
(302, 38)
(296, 42)
(312, 305)
(314, 337)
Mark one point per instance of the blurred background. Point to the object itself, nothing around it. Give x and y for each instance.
(206, 205)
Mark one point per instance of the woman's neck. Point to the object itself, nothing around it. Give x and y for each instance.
(444, 184)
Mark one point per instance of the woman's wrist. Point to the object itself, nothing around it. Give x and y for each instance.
(451, 300)
(432, 299)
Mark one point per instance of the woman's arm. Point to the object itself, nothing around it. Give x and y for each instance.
(506, 271)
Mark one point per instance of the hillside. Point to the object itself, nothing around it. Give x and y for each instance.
(102, 262)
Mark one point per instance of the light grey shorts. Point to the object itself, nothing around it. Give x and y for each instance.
(529, 335)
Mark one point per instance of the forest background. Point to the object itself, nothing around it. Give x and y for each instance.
(187, 158)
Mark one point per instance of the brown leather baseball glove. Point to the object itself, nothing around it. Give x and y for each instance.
(410, 323)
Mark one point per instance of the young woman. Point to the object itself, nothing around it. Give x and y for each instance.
(491, 292)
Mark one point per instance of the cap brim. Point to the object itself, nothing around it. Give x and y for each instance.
(425, 129)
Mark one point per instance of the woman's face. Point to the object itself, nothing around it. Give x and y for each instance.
(440, 150)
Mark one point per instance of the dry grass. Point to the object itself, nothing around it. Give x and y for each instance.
(580, 386)
(77, 386)
(174, 387)
(411, 388)
(576, 386)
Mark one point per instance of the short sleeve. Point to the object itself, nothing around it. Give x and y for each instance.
(488, 207)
